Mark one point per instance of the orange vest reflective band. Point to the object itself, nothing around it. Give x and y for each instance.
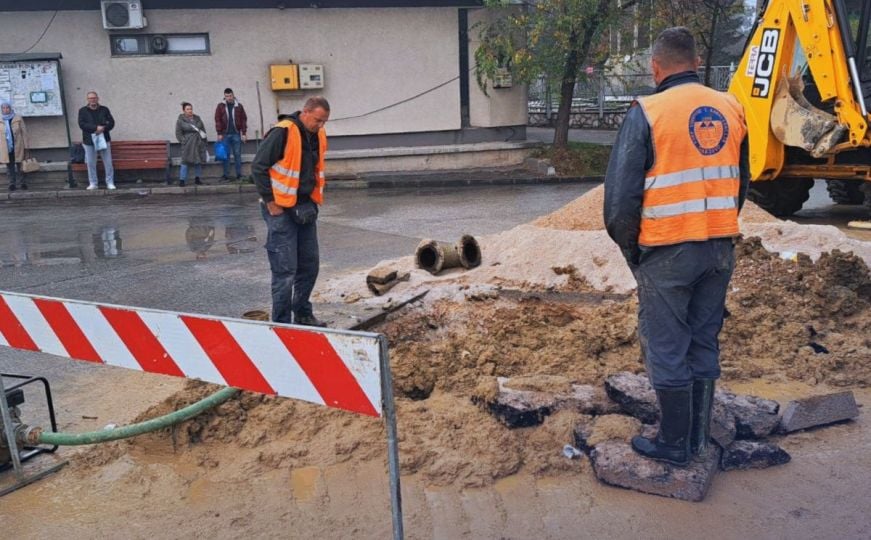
(285, 172)
(691, 192)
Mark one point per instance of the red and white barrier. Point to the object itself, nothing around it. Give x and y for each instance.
(329, 367)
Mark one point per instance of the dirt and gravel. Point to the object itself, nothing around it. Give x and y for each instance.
(552, 304)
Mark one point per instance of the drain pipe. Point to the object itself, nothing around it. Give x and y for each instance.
(435, 256)
(470, 251)
(36, 435)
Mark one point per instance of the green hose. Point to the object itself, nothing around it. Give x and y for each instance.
(105, 435)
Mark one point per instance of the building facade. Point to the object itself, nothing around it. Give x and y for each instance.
(395, 73)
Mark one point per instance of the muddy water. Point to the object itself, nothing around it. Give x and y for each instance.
(821, 210)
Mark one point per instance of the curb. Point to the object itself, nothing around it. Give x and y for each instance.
(358, 183)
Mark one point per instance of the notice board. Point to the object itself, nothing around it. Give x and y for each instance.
(33, 88)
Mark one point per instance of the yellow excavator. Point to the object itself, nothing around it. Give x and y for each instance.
(805, 83)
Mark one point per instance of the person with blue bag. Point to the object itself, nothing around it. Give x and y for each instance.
(231, 125)
(191, 133)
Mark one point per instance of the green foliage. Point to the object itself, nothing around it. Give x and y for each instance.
(578, 159)
(535, 40)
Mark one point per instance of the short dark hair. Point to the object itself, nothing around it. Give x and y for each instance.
(316, 102)
(228, 90)
(185, 104)
(675, 47)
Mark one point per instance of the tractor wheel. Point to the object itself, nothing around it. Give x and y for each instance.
(782, 197)
(845, 191)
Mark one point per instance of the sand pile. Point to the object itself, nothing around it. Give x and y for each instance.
(550, 299)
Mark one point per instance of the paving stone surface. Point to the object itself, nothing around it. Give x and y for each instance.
(752, 455)
(615, 463)
(818, 411)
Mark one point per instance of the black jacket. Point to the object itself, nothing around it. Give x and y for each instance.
(89, 120)
(272, 150)
(631, 158)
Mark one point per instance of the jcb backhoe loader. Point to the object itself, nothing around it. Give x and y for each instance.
(805, 83)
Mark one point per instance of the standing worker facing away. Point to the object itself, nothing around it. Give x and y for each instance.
(676, 180)
(288, 170)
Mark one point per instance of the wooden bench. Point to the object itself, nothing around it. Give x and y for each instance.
(132, 156)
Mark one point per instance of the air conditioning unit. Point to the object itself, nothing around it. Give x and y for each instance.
(122, 15)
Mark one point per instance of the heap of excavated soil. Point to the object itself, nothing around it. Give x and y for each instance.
(551, 299)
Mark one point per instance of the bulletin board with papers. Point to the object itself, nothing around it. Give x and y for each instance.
(33, 88)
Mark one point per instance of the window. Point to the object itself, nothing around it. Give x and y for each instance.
(159, 44)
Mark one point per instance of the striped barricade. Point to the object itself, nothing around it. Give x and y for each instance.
(336, 368)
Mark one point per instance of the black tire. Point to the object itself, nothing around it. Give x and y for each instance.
(782, 197)
(846, 191)
(866, 188)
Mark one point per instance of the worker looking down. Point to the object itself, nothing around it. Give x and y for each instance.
(676, 181)
(288, 170)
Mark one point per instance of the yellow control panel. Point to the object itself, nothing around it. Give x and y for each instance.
(284, 76)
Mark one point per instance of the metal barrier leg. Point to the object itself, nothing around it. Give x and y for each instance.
(392, 441)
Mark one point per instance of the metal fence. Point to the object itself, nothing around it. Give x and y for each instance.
(607, 92)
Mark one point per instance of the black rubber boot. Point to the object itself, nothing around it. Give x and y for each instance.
(703, 403)
(308, 320)
(672, 443)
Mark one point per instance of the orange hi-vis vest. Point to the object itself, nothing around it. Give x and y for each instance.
(285, 172)
(691, 192)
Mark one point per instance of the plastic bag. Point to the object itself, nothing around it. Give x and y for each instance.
(99, 141)
(220, 151)
(29, 165)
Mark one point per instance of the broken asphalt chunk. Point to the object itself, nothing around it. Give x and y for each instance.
(818, 411)
(752, 455)
(755, 417)
(634, 394)
(617, 464)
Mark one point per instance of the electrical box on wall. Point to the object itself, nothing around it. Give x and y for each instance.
(311, 76)
(284, 76)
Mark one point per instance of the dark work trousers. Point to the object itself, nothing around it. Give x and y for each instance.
(681, 301)
(294, 261)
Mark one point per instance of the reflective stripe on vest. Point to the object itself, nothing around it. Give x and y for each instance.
(691, 192)
(284, 174)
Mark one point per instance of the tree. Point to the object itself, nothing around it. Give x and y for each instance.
(716, 24)
(542, 38)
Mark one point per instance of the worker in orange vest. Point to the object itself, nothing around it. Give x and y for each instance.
(677, 178)
(288, 171)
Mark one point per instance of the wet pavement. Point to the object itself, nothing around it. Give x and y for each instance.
(204, 254)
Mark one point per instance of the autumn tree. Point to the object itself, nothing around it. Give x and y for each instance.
(716, 24)
(541, 38)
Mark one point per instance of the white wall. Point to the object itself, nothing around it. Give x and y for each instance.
(500, 106)
(372, 58)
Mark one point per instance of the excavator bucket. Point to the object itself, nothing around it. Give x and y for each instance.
(795, 122)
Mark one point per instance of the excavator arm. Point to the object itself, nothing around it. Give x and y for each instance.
(826, 43)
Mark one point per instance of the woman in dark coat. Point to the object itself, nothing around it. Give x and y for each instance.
(191, 133)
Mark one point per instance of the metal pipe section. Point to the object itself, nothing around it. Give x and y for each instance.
(36, 435)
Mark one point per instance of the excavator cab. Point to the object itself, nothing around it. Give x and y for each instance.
(805, 83)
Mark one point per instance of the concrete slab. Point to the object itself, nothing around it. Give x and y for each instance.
(818, 411)
(615, 463)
